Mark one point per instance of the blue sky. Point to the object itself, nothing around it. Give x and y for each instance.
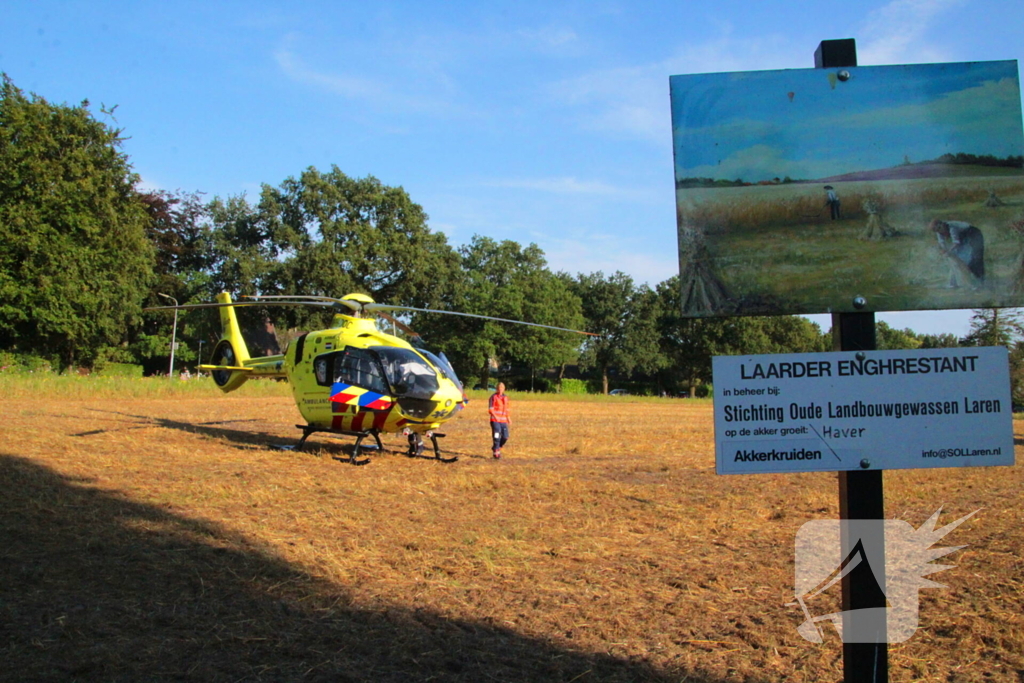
(540, 122)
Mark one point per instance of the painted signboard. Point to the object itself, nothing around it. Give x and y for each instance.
(855, 189)
(861, 410)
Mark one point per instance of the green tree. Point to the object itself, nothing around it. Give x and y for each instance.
(326, 234)
(994, 327)
(1001, 327)
(777, 334)
(247, 256)
(180, 232)
(549, 301)
(356, 235)
(888, 338)
(625, 316)
(76, 263)
(689, 344)
(939, 341)
(181, 235)
(504, 280)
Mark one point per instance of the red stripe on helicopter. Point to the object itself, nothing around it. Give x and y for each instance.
(379, 419)
(336, 422)
(357, 421)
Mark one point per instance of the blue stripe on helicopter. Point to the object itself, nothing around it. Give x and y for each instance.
(374, 401)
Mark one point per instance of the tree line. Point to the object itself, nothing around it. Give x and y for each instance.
(85, 250)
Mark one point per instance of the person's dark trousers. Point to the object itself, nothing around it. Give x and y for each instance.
(499, 432)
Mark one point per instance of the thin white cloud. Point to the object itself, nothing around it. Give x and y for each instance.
(595, 253)
(569, 238)
(569, 185)
(551, 39)
(425, 89)
(622, 99)
(347, 86)
(897, 33)
(632, 101)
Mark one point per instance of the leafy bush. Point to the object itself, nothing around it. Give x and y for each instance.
(11, 362)
(8, 361)
(574, 386)
(119, 370)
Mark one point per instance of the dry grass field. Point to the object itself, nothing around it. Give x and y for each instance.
(159, 535)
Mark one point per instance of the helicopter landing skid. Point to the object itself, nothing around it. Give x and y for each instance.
(416, 446)
(354, 458)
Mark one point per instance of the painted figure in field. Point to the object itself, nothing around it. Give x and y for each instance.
(965, 246)
(832, 201)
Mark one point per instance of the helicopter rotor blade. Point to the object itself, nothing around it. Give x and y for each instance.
(376, 308)
(351, 305)
(357, 306)
(183, 307)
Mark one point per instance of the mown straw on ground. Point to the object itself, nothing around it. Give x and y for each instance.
(153, 537)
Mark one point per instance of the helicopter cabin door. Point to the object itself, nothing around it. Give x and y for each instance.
(356, 381)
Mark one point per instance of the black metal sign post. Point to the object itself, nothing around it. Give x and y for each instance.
(860, 492)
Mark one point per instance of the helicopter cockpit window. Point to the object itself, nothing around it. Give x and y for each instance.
(442, 364)
(407, 372)
(358, 367)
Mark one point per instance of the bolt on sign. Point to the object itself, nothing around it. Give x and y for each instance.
(807, 190)
(810, 412)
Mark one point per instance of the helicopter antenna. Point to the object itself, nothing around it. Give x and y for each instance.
(396, 323)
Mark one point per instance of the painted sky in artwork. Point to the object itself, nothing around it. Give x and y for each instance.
(807, 124)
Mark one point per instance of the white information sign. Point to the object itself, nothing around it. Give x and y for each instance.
(811, 412)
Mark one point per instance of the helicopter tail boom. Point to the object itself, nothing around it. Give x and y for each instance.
(230, 329)
(230, 366)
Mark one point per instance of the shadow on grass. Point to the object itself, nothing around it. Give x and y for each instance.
(96, 586)
(330, 443)
(213, 428)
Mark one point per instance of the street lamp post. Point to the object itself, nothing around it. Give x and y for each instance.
(174, 333)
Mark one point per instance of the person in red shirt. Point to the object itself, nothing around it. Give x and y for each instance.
(497, 409)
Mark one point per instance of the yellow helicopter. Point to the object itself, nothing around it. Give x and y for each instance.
(351, 379)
